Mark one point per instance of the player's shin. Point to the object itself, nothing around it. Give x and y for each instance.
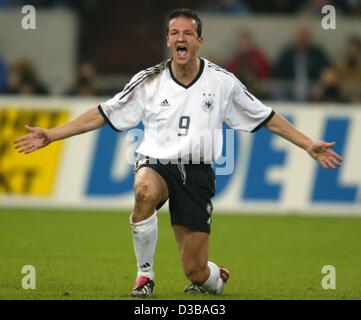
(145, 235)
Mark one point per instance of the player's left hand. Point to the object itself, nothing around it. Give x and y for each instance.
(323, 153)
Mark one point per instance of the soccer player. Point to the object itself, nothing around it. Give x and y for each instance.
(178, 101)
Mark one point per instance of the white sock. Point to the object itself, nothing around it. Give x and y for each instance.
(145, 235)
(214, 284)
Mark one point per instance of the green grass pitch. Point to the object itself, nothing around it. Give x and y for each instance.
(89, 255)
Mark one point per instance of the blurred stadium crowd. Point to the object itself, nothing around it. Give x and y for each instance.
(302, 71)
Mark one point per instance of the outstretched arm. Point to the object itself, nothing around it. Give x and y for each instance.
(38, 138)
(318, 150)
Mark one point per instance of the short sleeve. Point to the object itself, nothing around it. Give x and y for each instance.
(125, 110)
(244, 111)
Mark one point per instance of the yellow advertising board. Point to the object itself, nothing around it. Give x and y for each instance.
(28, 174)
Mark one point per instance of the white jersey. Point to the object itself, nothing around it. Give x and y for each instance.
(184, 122)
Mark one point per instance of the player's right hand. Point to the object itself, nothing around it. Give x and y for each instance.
(37, 138)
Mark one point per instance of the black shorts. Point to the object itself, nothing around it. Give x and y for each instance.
(191, 188)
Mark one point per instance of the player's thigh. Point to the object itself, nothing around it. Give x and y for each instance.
(193, 248)
(150, 186)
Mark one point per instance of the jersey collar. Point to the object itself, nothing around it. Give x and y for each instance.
(201, 68)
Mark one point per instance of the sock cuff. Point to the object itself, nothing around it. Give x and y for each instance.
(213, 274)
(150, 220)
(214, 269)
(149, 274)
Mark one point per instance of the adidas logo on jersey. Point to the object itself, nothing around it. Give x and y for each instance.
(165, 103)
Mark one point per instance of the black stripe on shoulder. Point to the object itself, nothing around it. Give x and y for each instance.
(248, 95)
(130, 87)
(161, 65)
(219, 69)
(264, 122)
(107, 119)
(141, 74)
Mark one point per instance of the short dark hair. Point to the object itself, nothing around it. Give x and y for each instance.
(188, 13)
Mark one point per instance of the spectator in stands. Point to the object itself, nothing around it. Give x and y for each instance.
(79, 5)
(328, 88)
(84, 82)
(45, 3)
(275, 6)
(225, 6)
(3, 74)
(249, 64)
(349, 69)
(353, 7)
(300, 63)
(314, 7)
(23, 80)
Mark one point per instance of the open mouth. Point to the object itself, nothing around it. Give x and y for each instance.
(181, 51)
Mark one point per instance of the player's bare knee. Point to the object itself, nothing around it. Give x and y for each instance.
(146, 194)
